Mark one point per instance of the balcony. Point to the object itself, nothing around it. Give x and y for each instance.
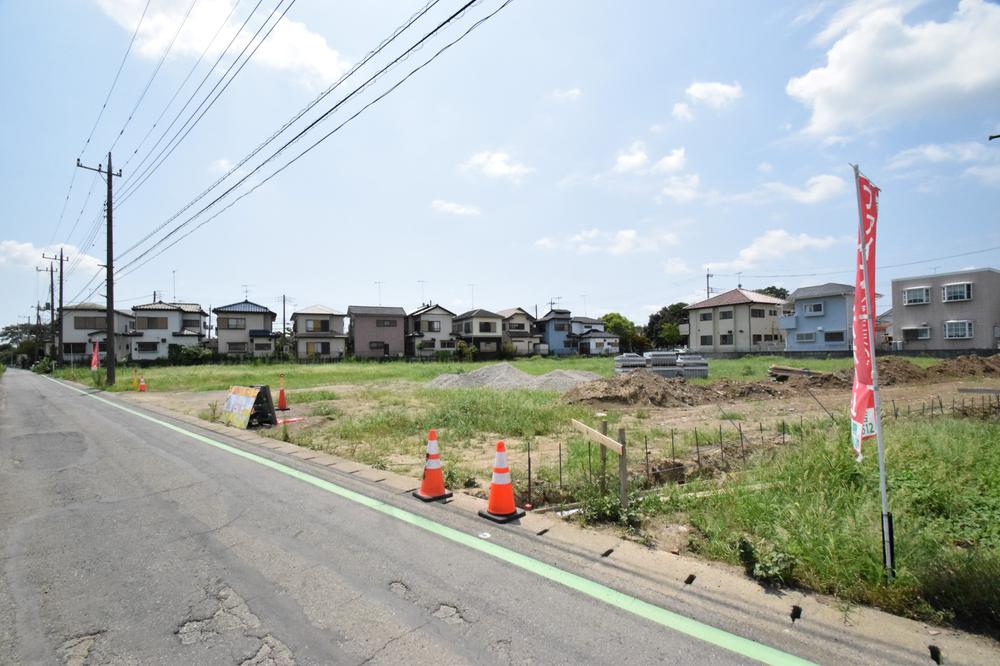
(788, 322)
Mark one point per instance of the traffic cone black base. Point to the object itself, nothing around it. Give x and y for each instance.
(433, 498)
(518, 513)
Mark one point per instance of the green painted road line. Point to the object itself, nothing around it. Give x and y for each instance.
(661, 616)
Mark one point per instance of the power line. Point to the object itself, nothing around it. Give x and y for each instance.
(412, 72)
(100, 114)
(156, 71)
(371, 54)
(142, 175)
(224, 23)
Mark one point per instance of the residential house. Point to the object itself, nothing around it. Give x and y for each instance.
(580, 325)
(244, 329)
(159, 325)
(85, 324)
(597, 342)
(883, 328)
(376, 331)
(738, 320)
(819, 318)
(555, 328)
(318, 333)
(481, 329)
(428, 331)
(947, 311)
(519, 331)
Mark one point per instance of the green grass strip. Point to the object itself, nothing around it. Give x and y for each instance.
(685, 625)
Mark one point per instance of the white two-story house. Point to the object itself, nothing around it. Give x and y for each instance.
(159, 325)
(428, 331)
(519, 331)
(318, 332)
(244, 329)
(85, 325)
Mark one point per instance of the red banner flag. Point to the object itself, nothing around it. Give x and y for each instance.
(94, 362)
(863, 395)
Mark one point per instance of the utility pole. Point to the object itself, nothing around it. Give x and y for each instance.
(708, 288)
(62, 258)
(52, 300)
(109, 336)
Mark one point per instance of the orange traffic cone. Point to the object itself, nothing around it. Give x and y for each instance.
(142, 385)
(432, 487)
(282, 403)
(500, 508)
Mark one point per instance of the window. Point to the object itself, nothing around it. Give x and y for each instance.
(833, 336)
(317, 348)
(191, 324)
(432, 326)
(769, 337)
(725, 338)
(467, 327)
(956, 292)
(755, 338)
(568, 344)
(262, 346)
(147, 347)
(376, 344)
(757, 313)
(599, 344)
(426, 344)
(805, 337)
(89, 323)
(487, 327)
(236, 347)
(914, 334)
(772, 313)
(447, 344)
(102, 346)
(706, 341)
(511, 326)
(385, 323)
(317, 325)
(957, 330)
(146, 323)
(917, 296)
(74, 348)
(561, 327)
(231, 323)
(705, 316)
(813, 309)
(728, 314)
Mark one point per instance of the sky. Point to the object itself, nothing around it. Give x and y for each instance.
(602, 156)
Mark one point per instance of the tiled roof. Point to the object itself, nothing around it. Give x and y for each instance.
(95, 308)
(510, 312)
(587, 320)
(243, 307)
(376, 310)
(556, 314)
(318, 310)
(820, 290)
(594, 333)
(427, 308)
(735, 297)
(160, 306)
(478, 312)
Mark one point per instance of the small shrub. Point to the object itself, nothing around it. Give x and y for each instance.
(213, 411)
(42, 366)
(764, 561)
(747, 371)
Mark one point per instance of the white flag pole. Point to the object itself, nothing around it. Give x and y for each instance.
(888, 546)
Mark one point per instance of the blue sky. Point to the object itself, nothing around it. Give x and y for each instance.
(601, 153)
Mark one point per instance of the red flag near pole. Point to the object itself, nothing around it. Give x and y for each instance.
(94, 362)
(863, 395)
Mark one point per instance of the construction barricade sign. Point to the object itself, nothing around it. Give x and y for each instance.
(249, 406)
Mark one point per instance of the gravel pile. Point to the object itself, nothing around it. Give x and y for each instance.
(506, 376)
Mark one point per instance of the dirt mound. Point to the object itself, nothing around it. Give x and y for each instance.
(640, 387)
(894, 370)
(966, 366)
(506, 376)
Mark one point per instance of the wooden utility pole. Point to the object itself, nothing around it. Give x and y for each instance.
(52, 298)
(109, 267)
(62, 258)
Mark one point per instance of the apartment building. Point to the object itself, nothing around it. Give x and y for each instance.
(947, 311)
(738, 320)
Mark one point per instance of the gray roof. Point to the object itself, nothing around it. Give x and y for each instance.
(735, 297)
(317, 310)
(160, 306)
(587, 320)
(510, 312)
(427, 308)
(97, 308)
(375, 310)
(820, 290)
(594, 333)
(244, 307)
(556, 314)
(478, 312)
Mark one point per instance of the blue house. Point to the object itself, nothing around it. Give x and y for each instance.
(819, 318)
(555, 328)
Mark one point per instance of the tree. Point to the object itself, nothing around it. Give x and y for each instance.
(777, 292)
(669, 334)
(619, 325)
(15, 334)
(672, 314)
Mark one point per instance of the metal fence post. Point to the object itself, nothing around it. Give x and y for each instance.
(623, 471)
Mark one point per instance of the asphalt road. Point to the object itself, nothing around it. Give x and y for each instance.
(124, 542)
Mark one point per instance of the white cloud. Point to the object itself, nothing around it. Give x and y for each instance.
(682, 188)
(656, 128)
(682, 111)
(497, 164)
(671, 162)
(633, 158)
(220, 166)
(675, 266)
(568, 95)
(818, 189)
(618, 243)
(933, 153)
(883, 70)
(291, 47)
(774, 244)
(714, 94)
(765, 167)
(28, 255)
(452, 208)
(987, 175)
